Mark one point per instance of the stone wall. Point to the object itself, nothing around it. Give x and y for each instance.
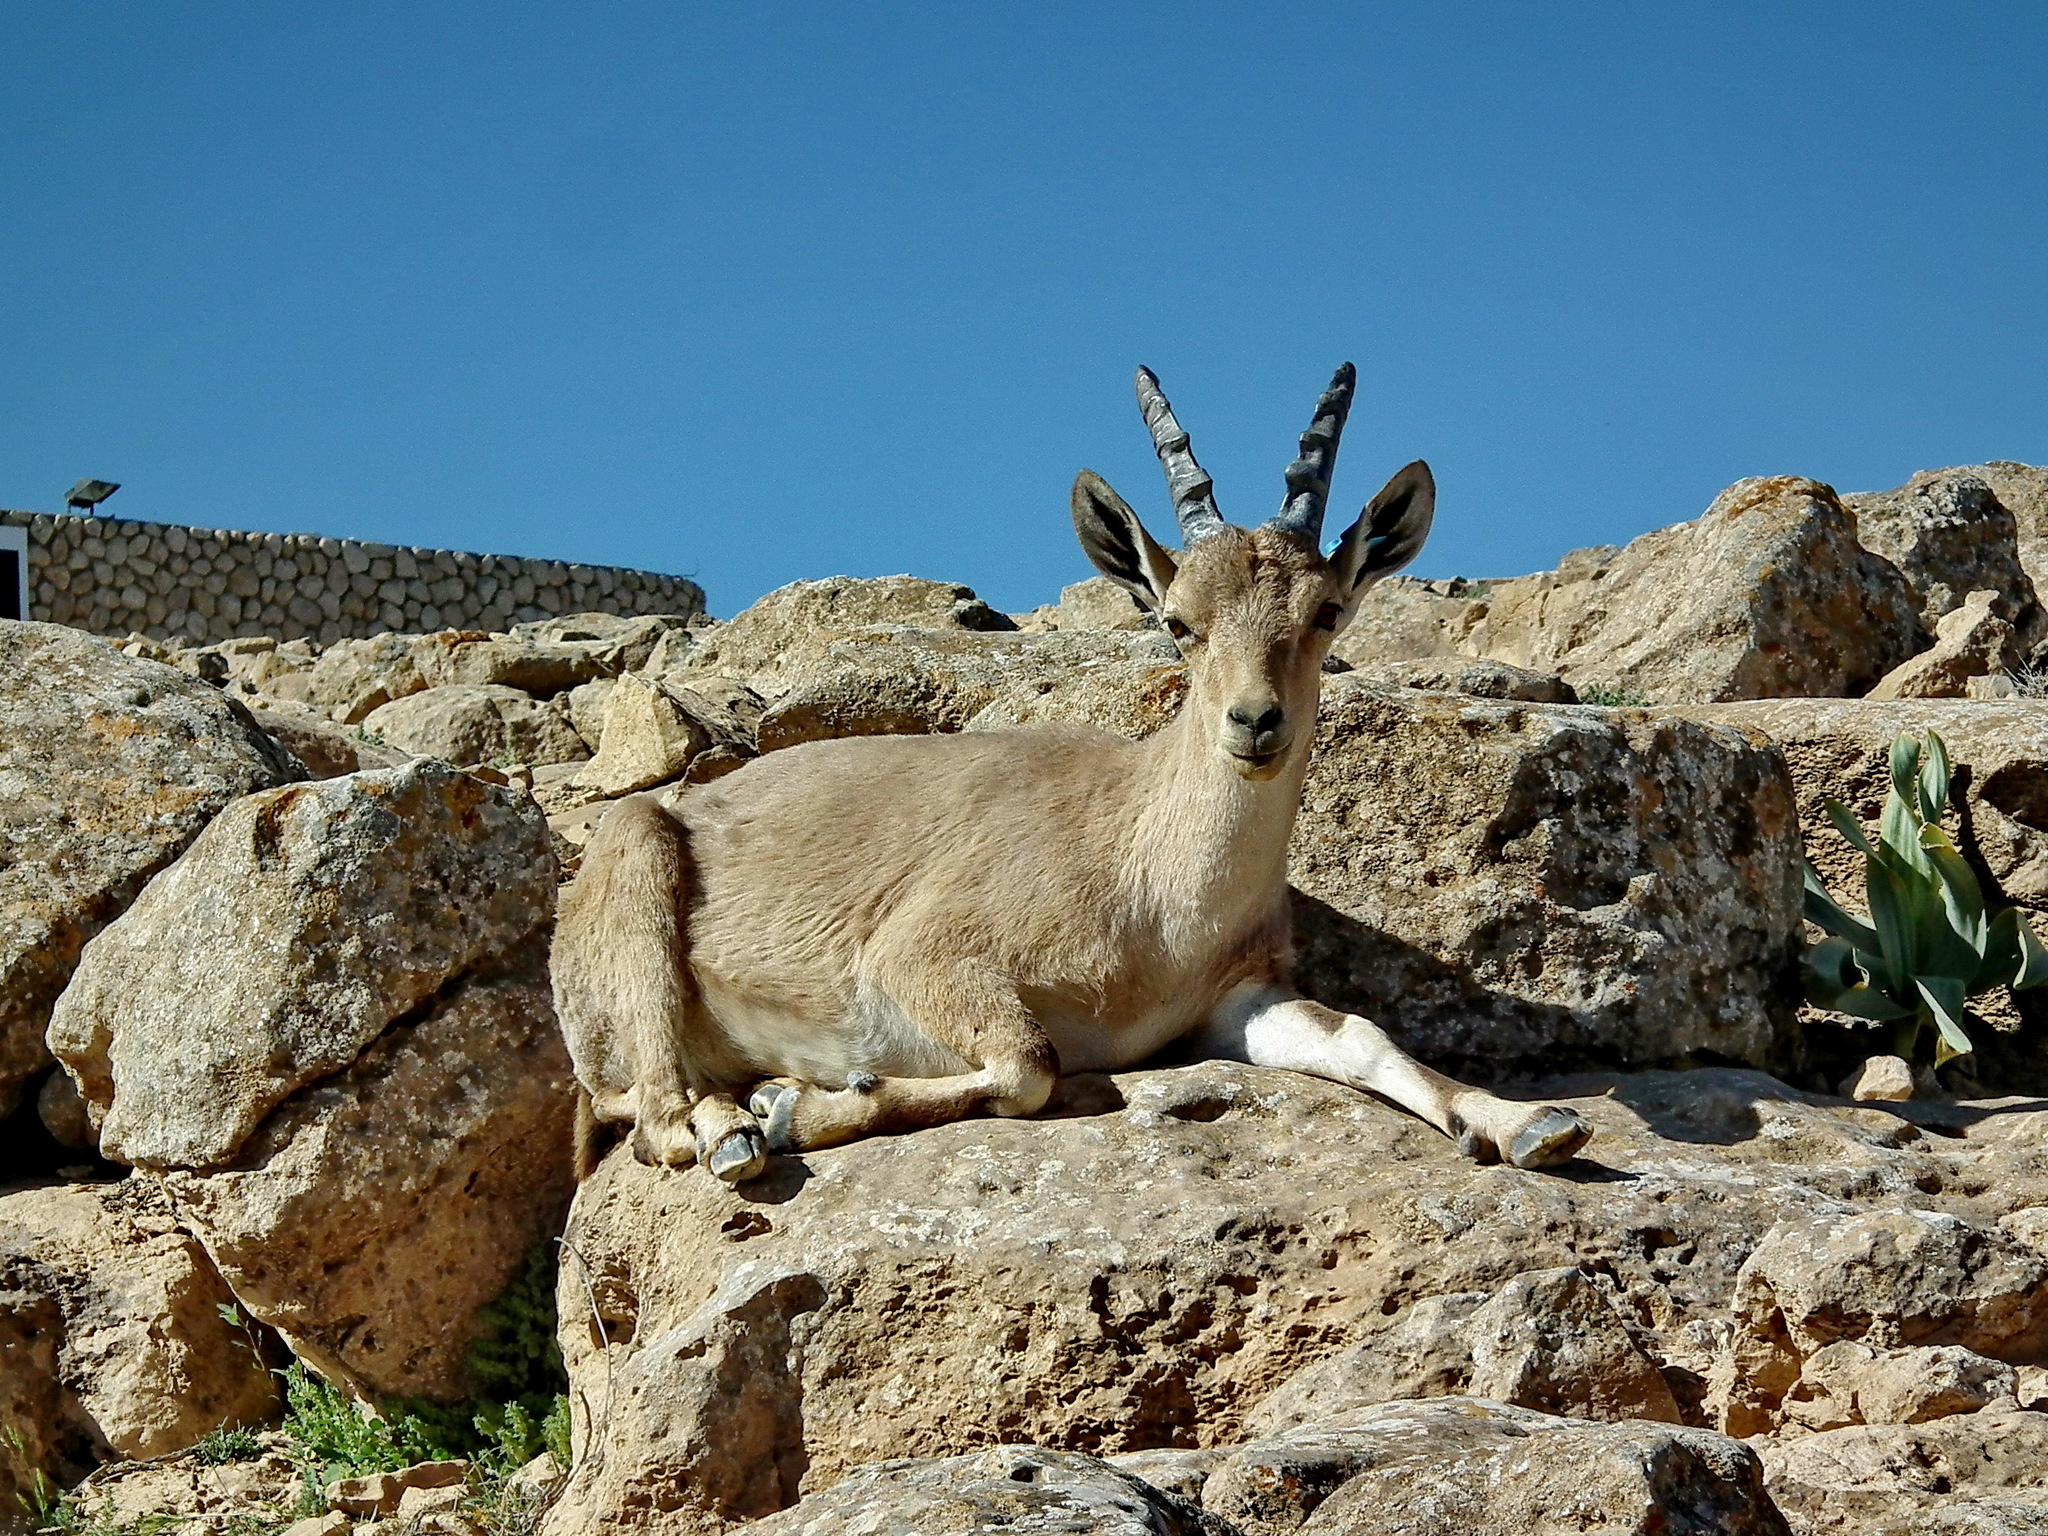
(205, 584)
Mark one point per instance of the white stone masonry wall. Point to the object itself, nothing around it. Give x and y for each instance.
(205, 584)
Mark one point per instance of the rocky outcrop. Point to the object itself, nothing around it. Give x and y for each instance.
(351, 903)
(1976, 1474)
(1511, 887)
(1970, 641)
(1949, 535)
(905, 681)
(657, 731)
(1481, 678)
(464, 723)
(109, 767)
(1881, 1279)
(792, 626)
(1403, 619)
(1151, 1262)
(361, 1105)
(112, 1334)
(1767, 595)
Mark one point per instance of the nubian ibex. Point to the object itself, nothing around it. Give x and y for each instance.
(865, 936)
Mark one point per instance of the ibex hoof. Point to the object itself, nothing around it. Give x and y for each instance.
(774, 1105)
(1551, 1138)
(738, 1156)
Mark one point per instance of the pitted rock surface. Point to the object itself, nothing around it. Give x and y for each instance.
(109, 767)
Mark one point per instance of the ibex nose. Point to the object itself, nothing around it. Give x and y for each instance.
(1260, 731)
(1265, 721)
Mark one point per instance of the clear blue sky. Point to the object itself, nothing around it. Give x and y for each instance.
(756, 293)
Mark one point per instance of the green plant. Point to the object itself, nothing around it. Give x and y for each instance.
(1613, 698)
(521, 1411)
(1929, 944)
(220, 1446)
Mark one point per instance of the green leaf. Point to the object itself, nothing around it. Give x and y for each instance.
(1905, 765)
(1962, 897)
(1852, 832)
(1892, 915)
(1823, 911)
(2033, 958)
(1899, 834)
(1934, 776)
(1944, 998)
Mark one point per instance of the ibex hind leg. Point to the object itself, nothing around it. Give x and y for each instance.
(628, 1006)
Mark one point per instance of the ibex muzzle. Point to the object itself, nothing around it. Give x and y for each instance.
(868, 936)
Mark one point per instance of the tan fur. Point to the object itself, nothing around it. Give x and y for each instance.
(894, 932)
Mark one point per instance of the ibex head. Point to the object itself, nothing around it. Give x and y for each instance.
(1254, 609)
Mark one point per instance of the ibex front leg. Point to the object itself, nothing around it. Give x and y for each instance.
(1272, 1028)
(970, 1012)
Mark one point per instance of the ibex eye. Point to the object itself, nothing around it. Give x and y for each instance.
(1178, 630)
(1326, 616)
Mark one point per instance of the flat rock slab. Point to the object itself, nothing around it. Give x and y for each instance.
(1144, 1265)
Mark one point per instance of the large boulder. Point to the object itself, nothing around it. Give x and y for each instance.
(792, 626)
(1877, 1278)
(371, 1215)
(1513, 887)
(655, 731)
(109, 767)
(1403, 618)
(1970, 641)
(292, 934)
(902, 681)
(328, 1027)
(1975, 1474)
(112, 1333)
(1149, 1262)
(1471, 1467)
(1950, 535)
(1767, 595)
(465, 723)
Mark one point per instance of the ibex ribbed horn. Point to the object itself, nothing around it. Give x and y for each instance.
(1193, 492)
(1308, 477)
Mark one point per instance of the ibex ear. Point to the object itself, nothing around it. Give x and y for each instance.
(1117, 543)
(1389, 533)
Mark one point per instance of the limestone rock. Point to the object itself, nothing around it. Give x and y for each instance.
(381, 1493)
(1148, 1263)
(1427, 1352)
(904, 681)
(1880, 1080)
(189, 1491)
(655, 731)
(792, 626)
(373, 1212)
(1838, 748)
(1099, 603)
(1851, 1383)
(1973, 1474)
(299, 926)
(1768, 595)
(109, 767)
(352, 678)
(1949, 535)
(1510, 887)
(1476, 676)
(465, 723)
(327, 750)
(534, 665)
(134, 1358)
(1884, 1279)
(1970, 641)
(585, 703)
(1469, 1467)
(1553, 1340)
(1026, 1489)
(621, 643)
(1403, 619)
